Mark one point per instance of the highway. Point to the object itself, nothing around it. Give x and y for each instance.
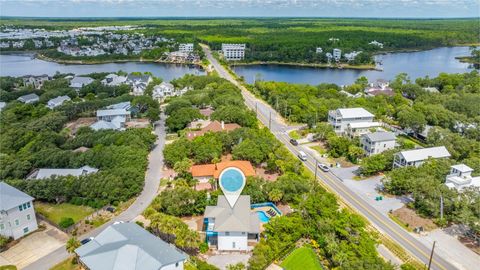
(270, 118)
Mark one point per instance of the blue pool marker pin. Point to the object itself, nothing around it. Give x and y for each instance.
(232, 181)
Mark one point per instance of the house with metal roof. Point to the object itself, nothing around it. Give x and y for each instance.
(29, 99)
(55, 102)
(128, 246)
(340, 118)
(17, 216)
(114, 119)
(231, 228)
(377, 142)
(79, 82)
(114, 80)
(460, 178)
(45, 173)
(357, 129)
(122, 105)
(418, 156)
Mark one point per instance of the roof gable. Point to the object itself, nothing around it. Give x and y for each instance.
(11, 197)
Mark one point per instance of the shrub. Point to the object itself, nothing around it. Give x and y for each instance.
(66, 222)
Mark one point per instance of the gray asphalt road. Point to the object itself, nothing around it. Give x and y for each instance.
(152, 181)
(271, 119)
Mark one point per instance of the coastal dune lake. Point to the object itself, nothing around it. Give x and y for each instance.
(19, 65)
(415, 64)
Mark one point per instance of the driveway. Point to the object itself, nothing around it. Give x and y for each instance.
(152, 182)
(33, 247)
(223, 260)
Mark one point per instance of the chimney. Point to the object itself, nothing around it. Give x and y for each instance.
(223, 125)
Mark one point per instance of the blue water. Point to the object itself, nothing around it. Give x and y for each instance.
(263, 217)
(231, 180)
(415, 64)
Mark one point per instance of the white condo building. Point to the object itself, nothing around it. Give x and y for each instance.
(17, 216)
(185, 47)
(337, 54)
(233, 52)
(341, 118)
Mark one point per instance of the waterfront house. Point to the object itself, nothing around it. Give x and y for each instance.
(233, 52)
(418, 156)
(129, 246)
(460, 177)
(46, 173)
(138, 83)
(379, 87)
(114, 80)
(214, 126)
(377, 142)
(230, 228)
(163, 90)
(340, 118)
(55, 102)
(376, 43)
(35, 81)
(185, 47)
(17, 215)
(79, 82)
(337, 54)
(29, 99)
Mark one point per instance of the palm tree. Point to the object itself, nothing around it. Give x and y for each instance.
(71, 245)
(275, 195)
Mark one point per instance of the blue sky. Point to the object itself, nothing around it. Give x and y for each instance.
(241, 8)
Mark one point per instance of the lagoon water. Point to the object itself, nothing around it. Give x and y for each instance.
(415, 64)
(25, 64)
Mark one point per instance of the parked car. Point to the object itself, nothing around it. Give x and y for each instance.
(86, 240)
(293, 142)
(302, 156)
(110, 209)
(323, 167)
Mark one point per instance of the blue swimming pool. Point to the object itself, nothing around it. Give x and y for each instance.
(232, 179)
(263, 217)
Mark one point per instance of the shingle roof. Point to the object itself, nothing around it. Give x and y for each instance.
(237, 219)
(11, 197)
(59, 99)
(380, 136)
(354, 113)
(128, 246)
(424, 153)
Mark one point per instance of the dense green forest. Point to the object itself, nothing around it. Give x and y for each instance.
(453, 114)
(33, 136)
(294, 39)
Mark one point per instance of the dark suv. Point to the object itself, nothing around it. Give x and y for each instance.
(293, 142)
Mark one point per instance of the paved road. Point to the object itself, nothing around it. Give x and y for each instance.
(152, 181)
(271, 119)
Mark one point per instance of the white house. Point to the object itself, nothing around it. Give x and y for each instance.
(337, 54)
(356, 129)
(29, 99)
(352, 55)
(185, 47)
(79, 82)
(233, 52)
(2, 105)
(129, 246)
(230, 228)
(163, 90)
(55, 102)
(114, 119)
(35, 81)
(17, 216)
(45, 173)
(139, 83)
(377, 142)
(376, 43)
(114, 80)
(340, 118)
(319, 50)
(460, 177)
(418, 156)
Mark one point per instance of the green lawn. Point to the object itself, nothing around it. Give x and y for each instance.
(294, 135)
(68, 264)
(55, 212)
(301, 259)
(319, 149)
(8, 267)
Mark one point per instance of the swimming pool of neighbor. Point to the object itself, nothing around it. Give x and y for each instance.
(232, 179)
(266, 211)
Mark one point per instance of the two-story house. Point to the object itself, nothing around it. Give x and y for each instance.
(377, 142)
(460, 177)
(418, 156)
(340, 118)
(17, 216)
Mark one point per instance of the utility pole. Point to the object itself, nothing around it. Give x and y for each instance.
(431, 255)
(441, 207)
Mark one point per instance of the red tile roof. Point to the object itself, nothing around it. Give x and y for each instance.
(214, 126)
(214, 170)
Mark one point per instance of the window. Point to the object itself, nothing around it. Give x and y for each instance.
(227, 233)
(176, 264)
(2, 227)
(28, 204)
(20, 207)
(28, 217)
(233, 244)
(17, 222)
(24, 206)
(25, 230)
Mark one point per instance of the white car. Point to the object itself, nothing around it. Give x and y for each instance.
(323, 167)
